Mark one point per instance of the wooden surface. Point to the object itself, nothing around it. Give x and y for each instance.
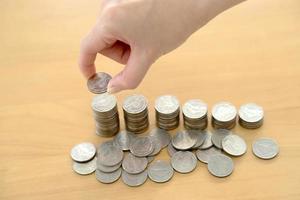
(250, 53)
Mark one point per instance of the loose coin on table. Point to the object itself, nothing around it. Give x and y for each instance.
(97, 83)
(133, 164)
(220, 165)
(184, 140)
(162, 135)
(171, 150)
(204, 154)
(200, 137)
(83, 152)
(156, 145)
(150, 158)
(141, 146)
(109, 155)
(207, 142)
(184, 161)
(234, 145)
(110, 177)
(123, 139)
(134, 180)
(107, 169)
(85, 168)
(160, 171)
(265, 148)
(218, 135)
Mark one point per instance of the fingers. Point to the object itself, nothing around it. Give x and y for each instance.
(119, 52)
(133, 73)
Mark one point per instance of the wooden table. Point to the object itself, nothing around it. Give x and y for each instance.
(250, 53)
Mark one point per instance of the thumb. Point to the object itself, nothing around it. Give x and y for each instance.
(130, 77)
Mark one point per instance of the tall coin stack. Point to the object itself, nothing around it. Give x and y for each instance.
(167, 112)
(223, 115)
(135, 108)
(106, 114)
(251, 116)
(194, 114)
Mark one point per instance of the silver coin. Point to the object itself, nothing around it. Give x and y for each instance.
(160, 171)
(123, 139)
(251, 113)
(234, 145)
(109, 155)
(265, 148)
(104, 102)
(141, 146)
(218, 135)
(204, 154)
(156, 146)
(97, 83)
(200, 137)
(150, 158)
(162, 135)
(220, 165)
(133, 164)
(135, 104)
(184, 161)
(194, 109)
(184, 140)
(171, 150)
(134, 180)
(207, 142)
(166, 104)
(108, 169)
(85, 168)
(224, 111)
(110, 177)
(83, 152)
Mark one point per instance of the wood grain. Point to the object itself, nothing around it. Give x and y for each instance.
(250, 53)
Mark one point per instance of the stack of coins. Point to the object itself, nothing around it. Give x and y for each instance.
(135, 108)
(223, 116)
(106, 114)
(167, 112)
(195, 114)
(251, 116)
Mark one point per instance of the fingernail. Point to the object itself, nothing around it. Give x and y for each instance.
(112, 90)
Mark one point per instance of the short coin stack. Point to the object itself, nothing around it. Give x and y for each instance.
(167, 110)
(195, 114)
(135, 108)
(223, 116)
(106, 115)
(251, 116)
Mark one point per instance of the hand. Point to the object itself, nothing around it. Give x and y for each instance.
(137, 32)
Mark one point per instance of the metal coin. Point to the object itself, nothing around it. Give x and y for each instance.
(220, 165)
(111, 177)
(135, 104)
(265, 148)
(83, 152)
(160, 171)
(97, 83)
(150, 158)
(207, 142)
(251, 112)
(141, 146)
(156, 146)
(162, 135)
(109, 155)
(104, 102)
(200, 137)
(194, 109)
(184, 161)
(184, 140)
(134, 180)
(166, 104)
(123, 139)
(234, 145)
(171, 150)
(108, 169)
(203, 155)
(224, 111)
(218, 135)
(133, 164)
(85, 168)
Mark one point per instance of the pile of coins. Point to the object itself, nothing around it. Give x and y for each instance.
(195, 115)
(106, 115)
(135, 108)
(167, 110)
(223, 116)
(251, 116)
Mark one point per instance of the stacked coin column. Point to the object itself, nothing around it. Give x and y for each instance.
(195, 114)
(106, 115)
(251, 116)
(223, 115)
(135, 108)
(167, 112)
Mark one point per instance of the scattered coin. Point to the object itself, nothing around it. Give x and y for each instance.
(108, 169)
(251, 116)
(204, 154)
(218, 136)
(150, 158)
(109, 155)
(133, 164)
(234, 145)
(123, 139)
(265, 148)
(134, 180)
(184, 161)
(83, 152)
(85, 168)
(97, 83)
(111, 177)
(200, 137)
(220, 165)
(156, 146)
(162, 135)
(224, 115)
(171, 150)
(160, 171)
(195, 114)
(141, 147)
(184, 140)
(207, 142)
